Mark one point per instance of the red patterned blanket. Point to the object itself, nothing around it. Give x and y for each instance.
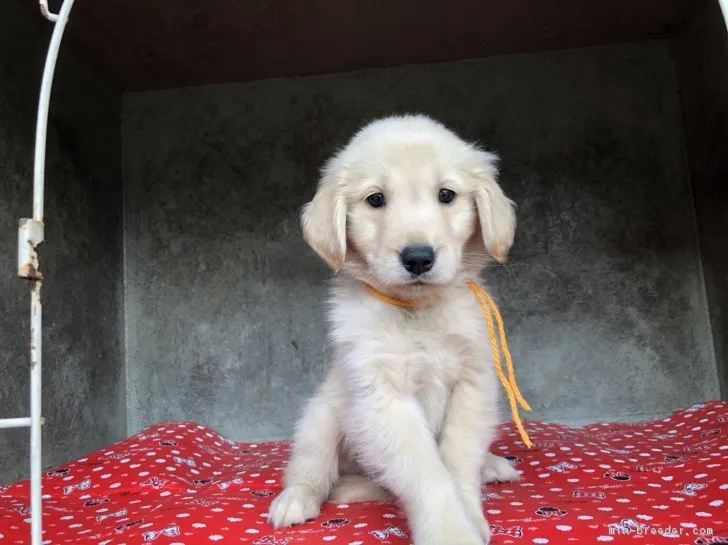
(183, 484)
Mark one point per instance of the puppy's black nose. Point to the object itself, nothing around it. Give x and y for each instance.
(418, 259)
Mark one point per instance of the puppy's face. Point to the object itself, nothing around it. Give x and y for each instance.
(407, 205)
(409, 215)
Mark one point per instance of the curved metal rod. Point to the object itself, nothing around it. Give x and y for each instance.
(41, 129)
(52, 17)
(36, 307)
(724, 8)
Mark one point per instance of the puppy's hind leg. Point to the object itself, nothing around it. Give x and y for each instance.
(498, 470)
(358, 488)
(313, 467)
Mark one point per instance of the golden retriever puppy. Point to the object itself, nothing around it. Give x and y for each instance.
(406, 214)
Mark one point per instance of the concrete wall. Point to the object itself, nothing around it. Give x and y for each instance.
(701, 55)
(604, 297)
(83, 380)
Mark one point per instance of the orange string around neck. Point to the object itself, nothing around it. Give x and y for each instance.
(401, 303)
(515, 398)
(490, 309)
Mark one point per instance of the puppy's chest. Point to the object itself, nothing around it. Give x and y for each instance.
(436, 359)
(432, 358)
(435, 355)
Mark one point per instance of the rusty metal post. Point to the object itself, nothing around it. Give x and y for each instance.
(31, 234)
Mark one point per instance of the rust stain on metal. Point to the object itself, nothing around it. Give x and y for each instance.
(31, 272)
(36, 290)
(33, 359)
(35, 310)
(30, 238)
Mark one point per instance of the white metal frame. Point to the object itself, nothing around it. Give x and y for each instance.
(30, 236)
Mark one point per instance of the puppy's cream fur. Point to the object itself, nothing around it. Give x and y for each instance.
(409, 407)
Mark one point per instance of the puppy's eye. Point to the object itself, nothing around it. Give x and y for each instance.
(376, 200)
(446, 196)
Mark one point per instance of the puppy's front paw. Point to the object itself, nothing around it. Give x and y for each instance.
(474, 509)
(499, 470)
(454, 527)
(465, 535)
(295, 505)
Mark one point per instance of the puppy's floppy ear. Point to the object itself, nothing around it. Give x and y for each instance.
(495, 211)
(324, 218)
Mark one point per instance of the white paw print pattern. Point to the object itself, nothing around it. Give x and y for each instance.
(179, 483)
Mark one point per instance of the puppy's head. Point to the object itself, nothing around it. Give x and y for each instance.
(408, 205)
